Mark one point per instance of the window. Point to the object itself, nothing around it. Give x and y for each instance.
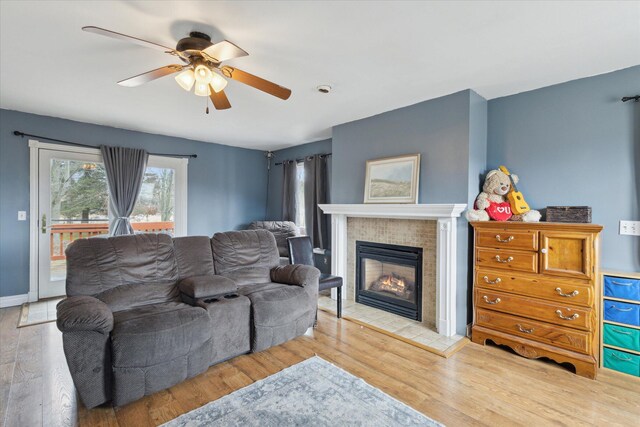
(161, 205)
(300, 214)
(155, 208)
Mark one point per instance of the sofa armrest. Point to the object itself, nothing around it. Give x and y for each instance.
(197, 287)
(296, 274)
(84, 313)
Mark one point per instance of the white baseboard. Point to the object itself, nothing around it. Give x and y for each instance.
(13, 300)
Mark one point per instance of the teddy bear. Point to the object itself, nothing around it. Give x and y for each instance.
(492, 203)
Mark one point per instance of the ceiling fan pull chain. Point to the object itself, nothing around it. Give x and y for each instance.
(207, 110)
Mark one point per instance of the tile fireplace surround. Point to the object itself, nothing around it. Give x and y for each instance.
(429, 226)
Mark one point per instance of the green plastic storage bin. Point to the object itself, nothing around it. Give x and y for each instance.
(622, 361)
(620, 336)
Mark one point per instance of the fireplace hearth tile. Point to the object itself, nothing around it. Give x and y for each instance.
(417, 332)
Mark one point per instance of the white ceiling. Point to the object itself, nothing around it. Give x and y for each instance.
(377, 55)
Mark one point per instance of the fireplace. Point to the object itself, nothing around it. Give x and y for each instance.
(389, 277)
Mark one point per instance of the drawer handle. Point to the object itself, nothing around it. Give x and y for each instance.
(617, 331)
(488, 301)
(492, 282)
(571, 295)
(624, 359)
(504, 261)
(621, 309)
(525, 330)
(562, 316)
(501, 240)
(613, 282)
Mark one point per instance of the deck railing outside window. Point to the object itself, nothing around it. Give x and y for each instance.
(63, 234)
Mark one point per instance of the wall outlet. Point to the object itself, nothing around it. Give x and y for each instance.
(630, 228)
(22, 215)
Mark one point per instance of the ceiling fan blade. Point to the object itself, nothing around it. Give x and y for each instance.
(256, 82)
(119, 36)
(220, 100)
(223, 51)
(143, 78)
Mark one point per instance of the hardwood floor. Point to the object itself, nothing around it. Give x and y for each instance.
(477, 386)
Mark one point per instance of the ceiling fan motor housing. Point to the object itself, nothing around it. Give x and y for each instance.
(196, 41)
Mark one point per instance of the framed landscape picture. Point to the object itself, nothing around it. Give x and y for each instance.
(392, 180)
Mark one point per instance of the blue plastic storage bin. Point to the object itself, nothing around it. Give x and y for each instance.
(622, 337)
(622, 312)
(622, 361)
(622, 287)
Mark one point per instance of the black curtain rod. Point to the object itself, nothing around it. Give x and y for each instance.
(299, 160)
(629, 98)
(76, 144)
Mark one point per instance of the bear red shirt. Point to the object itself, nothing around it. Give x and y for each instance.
(499, 211)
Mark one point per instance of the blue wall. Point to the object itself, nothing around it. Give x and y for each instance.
(226, 184)
(447, 132)
(274, 209)
(438, 129)
(577, 144)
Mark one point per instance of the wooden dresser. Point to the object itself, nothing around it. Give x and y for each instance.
(536, 290)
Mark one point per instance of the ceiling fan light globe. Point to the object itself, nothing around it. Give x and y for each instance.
(202, 89)
(203, 74)
(218, 83)
(186, 79)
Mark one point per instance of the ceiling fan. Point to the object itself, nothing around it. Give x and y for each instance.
(201, 67)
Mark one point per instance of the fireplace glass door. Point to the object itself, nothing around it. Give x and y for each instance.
(389, 277)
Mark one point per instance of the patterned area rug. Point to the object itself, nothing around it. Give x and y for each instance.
(310, 393)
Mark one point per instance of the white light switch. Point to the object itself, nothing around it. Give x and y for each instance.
(22, 215)
(630, 228)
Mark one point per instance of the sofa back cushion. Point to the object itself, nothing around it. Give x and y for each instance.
(193, 256)
(114, 269)
(281, 230)
(246, 256)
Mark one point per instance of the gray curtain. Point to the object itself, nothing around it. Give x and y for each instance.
(125, 169)
(315, 193)
(289, 180)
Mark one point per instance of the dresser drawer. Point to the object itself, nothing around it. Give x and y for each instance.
(570, 339)
(622, 287)
(622, 312)
(508, 239)
(559, 314)
(622, 337)
(507, 259)
(622, 361)
(561, 292)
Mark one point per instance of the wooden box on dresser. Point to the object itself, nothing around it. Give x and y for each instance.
(536, 290)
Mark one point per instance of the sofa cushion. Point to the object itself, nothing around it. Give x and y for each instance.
(275, 304)
(98, 264)
(193, 256)
(158, 333)
(125, 297)
(281, 230)
(246, 256)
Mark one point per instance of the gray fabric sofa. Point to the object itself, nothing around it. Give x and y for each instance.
(282, 230)
(145, 312)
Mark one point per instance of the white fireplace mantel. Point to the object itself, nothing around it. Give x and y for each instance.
(446, 263)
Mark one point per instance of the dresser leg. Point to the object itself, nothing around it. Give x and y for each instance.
(587, 370)
(478, 337)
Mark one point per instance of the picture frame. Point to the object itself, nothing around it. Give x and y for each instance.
(392, 179)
